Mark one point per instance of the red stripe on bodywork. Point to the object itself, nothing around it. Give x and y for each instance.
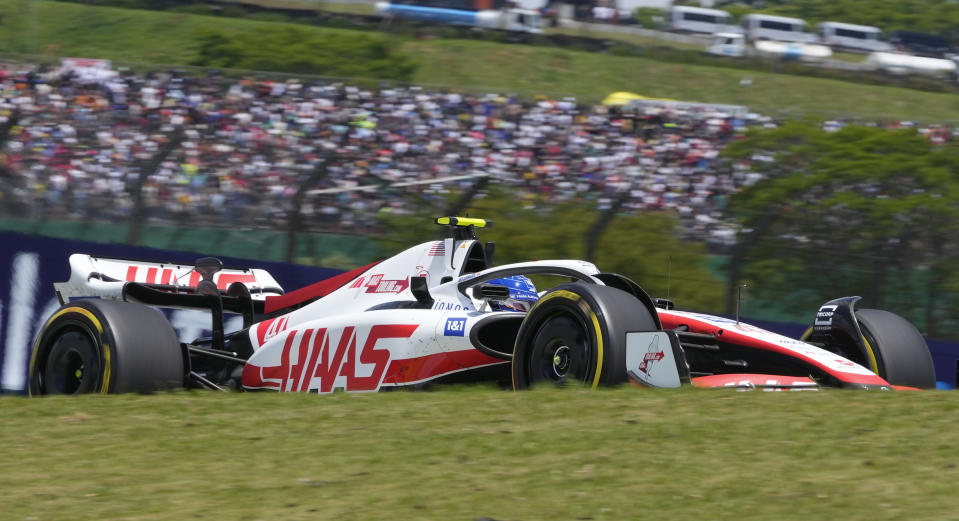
(905, 388)
(132, 273)
(378, 358)
(329, 367)
(279, 371)
(254, 376)
(723, 380)
(254, 379)
(270, 328)
(225, 279)
(411, 370)
(300, 370)
(313, 291)
(318, 341)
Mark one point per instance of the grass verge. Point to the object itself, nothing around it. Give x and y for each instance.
(470, 453)
(591, 77)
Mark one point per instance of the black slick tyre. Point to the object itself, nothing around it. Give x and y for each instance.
(105, 346)
(899, 351)
(576, 335)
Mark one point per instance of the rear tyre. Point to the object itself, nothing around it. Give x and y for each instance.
(105, 346)
(901, 354)
(576, 334)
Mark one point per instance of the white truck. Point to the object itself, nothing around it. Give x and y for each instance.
(899, 63)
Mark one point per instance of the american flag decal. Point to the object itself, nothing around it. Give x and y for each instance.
(437, 250)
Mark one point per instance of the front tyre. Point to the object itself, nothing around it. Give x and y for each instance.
(105, 346)
(896, 348)
(576, 334)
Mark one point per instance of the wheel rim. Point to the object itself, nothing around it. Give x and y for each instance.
(561, 351)
(73, 366)
(561, 361)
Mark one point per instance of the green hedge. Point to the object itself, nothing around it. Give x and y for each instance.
(303, 52)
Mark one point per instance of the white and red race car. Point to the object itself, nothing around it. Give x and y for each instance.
(439, 312)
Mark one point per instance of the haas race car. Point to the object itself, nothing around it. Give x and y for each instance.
(440, 312)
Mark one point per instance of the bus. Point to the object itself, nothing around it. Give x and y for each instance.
(688, 19)
(781, 28)
(852, 36)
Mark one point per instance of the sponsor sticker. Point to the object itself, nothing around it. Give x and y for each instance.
(653, 355)
(437, 250)
(650, 360)
(421, 271)
(377, 284)
(824, 316)
(324, 359)
(455, 327)
(439, 304)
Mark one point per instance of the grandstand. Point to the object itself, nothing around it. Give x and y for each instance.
(233, 153)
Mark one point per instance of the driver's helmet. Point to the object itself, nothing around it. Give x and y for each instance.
(522, 294)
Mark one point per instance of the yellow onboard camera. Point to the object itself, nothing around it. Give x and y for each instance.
(464, 221)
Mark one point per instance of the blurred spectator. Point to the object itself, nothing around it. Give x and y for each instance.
(239, 149)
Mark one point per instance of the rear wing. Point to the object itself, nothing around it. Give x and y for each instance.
(105, 277)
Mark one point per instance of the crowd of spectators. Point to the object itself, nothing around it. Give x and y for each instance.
(222, 151)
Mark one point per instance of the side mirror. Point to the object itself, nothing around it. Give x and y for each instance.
(664, 303)
(493, 292)
(420, 290)
(207, 267)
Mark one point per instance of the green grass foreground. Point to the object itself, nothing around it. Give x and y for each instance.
(170, 38)
(469, 453)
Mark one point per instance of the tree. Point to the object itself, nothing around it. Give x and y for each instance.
(862, 211)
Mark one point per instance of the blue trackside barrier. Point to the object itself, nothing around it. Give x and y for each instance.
(30, 265)
(945, 356)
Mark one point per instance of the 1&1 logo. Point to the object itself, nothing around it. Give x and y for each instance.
(455, 327)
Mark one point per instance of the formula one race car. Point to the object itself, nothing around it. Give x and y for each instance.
(439, 312)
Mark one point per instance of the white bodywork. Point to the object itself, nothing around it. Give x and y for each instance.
(339, 342)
